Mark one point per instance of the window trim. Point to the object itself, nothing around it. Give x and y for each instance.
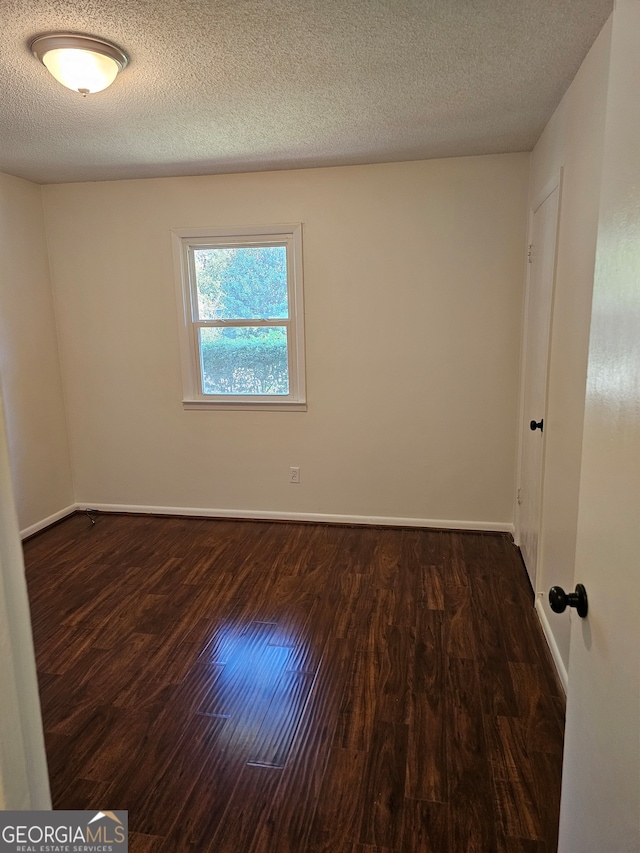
(188, 324)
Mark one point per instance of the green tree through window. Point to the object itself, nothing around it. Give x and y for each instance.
(243, 284)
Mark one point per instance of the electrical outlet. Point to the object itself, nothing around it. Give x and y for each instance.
(294, 474)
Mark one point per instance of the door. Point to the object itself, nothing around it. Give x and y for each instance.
(24, 783)
(540, 282)
(600, 806)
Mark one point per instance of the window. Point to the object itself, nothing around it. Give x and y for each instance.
(241, 317)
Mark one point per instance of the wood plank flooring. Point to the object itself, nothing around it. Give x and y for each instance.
(293, 688)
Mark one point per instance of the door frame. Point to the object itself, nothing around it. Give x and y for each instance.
(555, 182)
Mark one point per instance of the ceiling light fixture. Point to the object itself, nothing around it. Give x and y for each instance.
(82, 63)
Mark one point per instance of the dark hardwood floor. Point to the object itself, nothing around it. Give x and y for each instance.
(295, 688)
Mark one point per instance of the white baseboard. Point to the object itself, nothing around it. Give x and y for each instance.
(268, 515)
(553, 646)
(326, 518)
(40, 525)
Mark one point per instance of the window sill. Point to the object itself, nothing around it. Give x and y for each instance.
(241, 405)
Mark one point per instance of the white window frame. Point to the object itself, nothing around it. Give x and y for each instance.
(184, 240)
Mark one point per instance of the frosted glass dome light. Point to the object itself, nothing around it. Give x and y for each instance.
(81, 63)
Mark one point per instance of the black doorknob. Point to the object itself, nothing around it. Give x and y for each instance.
(537, 425)
(559, 599)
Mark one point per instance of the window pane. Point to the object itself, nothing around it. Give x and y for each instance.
(244, 360)
(242, 284)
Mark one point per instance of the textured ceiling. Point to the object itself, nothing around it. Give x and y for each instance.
(240, 85)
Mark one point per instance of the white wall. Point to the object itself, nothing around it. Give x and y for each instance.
(573, 139)
(29, 363)
(413, 287)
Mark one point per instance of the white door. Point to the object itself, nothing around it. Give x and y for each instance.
(24, 783)
(600, 806)
(540, 282)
